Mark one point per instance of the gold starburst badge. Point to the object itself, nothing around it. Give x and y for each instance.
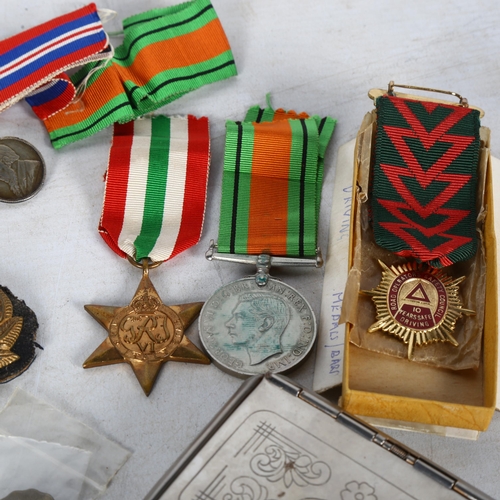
(145, 334)
(417, 303)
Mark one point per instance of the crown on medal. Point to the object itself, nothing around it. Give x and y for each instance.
(145, 303)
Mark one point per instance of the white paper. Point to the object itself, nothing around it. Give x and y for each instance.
(47, 467)
(28, 417)
(331, 335)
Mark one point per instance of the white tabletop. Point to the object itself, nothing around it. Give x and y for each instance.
(321, 57)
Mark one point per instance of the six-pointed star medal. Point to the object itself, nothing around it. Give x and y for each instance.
(145, 334)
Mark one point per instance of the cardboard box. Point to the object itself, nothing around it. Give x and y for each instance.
(391, 391)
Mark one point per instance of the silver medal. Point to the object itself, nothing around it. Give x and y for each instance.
(257, 325)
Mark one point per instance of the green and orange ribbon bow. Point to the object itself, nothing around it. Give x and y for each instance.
(165, 54)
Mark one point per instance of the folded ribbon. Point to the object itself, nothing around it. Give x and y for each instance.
(165, 54)
(271, 187)
(156, 186)
(39, 55)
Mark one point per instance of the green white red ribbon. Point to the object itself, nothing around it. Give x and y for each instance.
(156, 184)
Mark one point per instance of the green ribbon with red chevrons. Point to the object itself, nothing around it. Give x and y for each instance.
(424, 180)
(271, 187)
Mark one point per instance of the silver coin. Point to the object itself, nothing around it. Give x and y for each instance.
(247, 329)
(22, 170)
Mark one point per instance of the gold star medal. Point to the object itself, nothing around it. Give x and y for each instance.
(418, 304)
(145, 334)
(153, 209)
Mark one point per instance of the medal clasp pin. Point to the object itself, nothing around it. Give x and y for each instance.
(263, 268)
(462, 101)
(213, 254)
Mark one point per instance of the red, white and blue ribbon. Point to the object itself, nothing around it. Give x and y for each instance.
(34, 57)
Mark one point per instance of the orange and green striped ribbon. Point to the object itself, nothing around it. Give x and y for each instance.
(165, 53)
(271, 187)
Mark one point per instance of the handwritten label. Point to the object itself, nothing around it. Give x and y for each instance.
(331, 337)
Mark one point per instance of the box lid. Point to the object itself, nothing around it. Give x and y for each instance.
(275, 439)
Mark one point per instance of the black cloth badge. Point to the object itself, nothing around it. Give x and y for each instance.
(18, 326)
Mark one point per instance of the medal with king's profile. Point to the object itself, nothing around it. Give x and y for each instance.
(249, 330)
(22, 170)
(271, 191)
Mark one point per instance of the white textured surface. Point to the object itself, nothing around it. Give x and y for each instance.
(321, 57)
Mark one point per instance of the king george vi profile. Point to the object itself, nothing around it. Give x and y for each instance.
(258, 322)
